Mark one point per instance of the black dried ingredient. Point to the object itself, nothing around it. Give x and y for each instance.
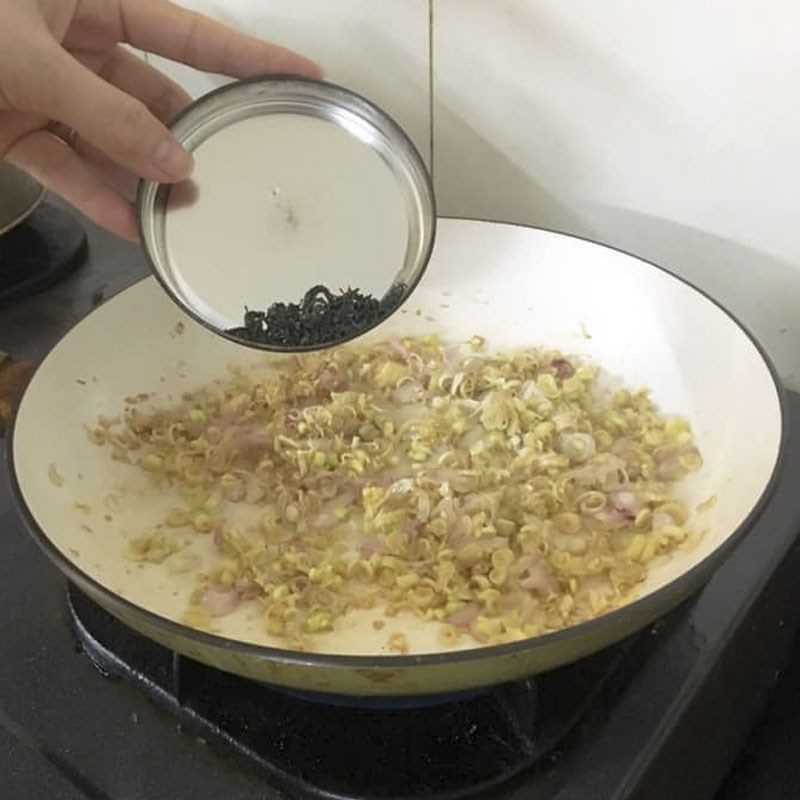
(321, 318)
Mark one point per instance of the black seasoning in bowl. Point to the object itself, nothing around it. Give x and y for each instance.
(321, 318)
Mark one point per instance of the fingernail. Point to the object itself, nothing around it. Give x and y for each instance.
(172, 160)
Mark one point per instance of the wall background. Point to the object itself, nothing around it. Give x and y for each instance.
(671, 130)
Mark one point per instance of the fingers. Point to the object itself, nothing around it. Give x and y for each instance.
(173, 32)
(115, 122)
(55, 165)
(163, 97)
(118, 178)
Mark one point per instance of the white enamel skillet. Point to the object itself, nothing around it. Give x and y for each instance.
(515, 286)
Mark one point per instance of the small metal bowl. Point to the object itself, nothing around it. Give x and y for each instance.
(296, 183)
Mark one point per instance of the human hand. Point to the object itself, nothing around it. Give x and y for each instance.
(61, 61)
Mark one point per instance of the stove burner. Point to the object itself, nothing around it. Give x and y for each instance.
(41, 251)
(450, 746)
(381, 703)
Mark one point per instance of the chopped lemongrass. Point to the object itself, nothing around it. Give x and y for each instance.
(493, 495)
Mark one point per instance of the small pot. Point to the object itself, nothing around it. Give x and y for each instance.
(517, 286)
(20, 196)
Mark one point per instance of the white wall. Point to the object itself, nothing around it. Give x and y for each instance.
(668, 129)
(378, 48)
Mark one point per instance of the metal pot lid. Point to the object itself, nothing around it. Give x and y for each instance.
(297, 183)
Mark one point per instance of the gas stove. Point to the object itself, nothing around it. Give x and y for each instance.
(453, 746)
(89, 710)
(40, 252)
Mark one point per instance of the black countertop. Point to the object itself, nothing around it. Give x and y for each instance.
(768, 767)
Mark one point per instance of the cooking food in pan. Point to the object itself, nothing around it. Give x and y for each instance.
(498, 496)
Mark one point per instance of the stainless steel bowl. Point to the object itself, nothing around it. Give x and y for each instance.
(297, 184)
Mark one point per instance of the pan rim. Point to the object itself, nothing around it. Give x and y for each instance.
(683, 585)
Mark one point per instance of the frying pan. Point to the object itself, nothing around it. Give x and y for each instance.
(514, 285)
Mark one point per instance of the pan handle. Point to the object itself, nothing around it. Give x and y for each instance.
(14, 377)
